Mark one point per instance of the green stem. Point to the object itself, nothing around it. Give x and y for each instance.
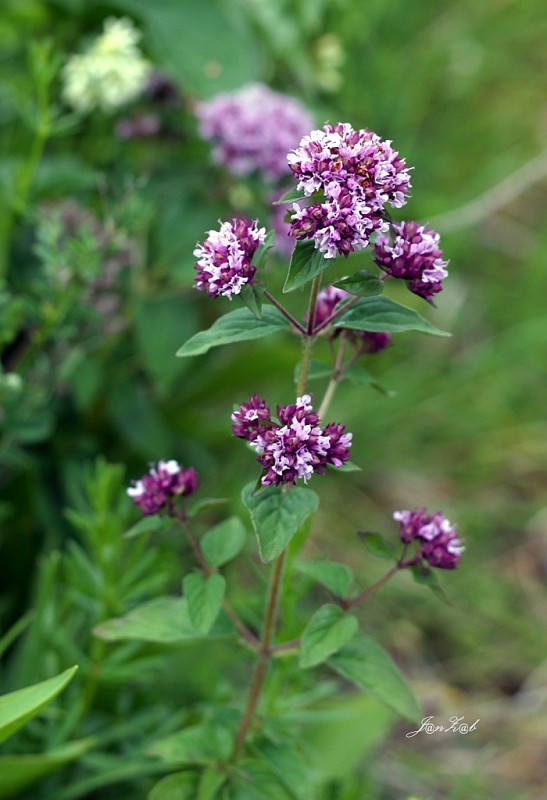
(264, 656)
(313, 302)
(337, 374)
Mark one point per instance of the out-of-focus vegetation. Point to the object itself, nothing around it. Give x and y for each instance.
(89, 368)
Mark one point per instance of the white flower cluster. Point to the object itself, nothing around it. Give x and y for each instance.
(110, 73)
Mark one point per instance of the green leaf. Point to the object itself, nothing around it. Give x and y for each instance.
(236, 326)
(362, 283)
(381, 314)
(426, 577)
(349, 466)
(359, 376)
(366, 664)
(261, 256)
(19, 707)
(306, 263)
(20, 771)
(336, 577)
(150, 524)
(292, 196)
(277, 514)
(179, 786)
(258, 780)
(327, 631)
(210, 783)
(205, 504)
(204, 597)
(164, 620)
(378, 546)
(203, 743)
(252, 296)
(223, 542)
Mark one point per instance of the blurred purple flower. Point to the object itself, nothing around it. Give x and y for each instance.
(224, 259)
(368, 341)
(253, 129)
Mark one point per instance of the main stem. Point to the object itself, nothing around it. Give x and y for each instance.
(264, 655)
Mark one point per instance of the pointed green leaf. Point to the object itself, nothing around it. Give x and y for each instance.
(306, 263)
(150, 524)
(327, 631)
(359, 376)
(252, 296)
(336, 577)
(377, 545)
(223, 542)
(179, 786)
(203, 743)
(204, 597)
(349, 466)
(164, 620)
(426, 577)
(366, 664)
(380, 314)
(235, 326)
(17, 708)
(20, 771)
(277, 514)
(292, 196)
(362, 283)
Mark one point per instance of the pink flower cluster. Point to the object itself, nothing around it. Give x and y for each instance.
(438, 538)
(224, 259)
(358, 173)
(368, 341)
(158, 489)
(295, 448)
(253, 129)
(413, 256)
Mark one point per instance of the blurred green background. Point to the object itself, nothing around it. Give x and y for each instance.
(460, 88)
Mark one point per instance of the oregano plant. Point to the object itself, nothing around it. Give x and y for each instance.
(346, 180)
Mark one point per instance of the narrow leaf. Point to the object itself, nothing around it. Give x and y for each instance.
(206, 504)
(362, 283)
(236, 326)
(336, 577)
(179, 786)
(327, 631)
(378, 546)
(306, 263)
(17, 708)
(277, 514)
(210, 783)
(381, 314)
(366, 664)
(204, 597)
(252, 296)
(223, 542)
(149, 524)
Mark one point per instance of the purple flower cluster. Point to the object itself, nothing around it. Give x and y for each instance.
(253, 129)
(438, 538)
(295, 448)
(414, 256)
(368, 341)
(358, 173)
(158, 489)
(224, 259)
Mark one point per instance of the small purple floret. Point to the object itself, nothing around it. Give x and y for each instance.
(358, 173)
(414, 256)
(165, 482)
(295, 448)
(437, 537)
(224, 259)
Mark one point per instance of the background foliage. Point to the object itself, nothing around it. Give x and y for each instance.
(459, 88)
